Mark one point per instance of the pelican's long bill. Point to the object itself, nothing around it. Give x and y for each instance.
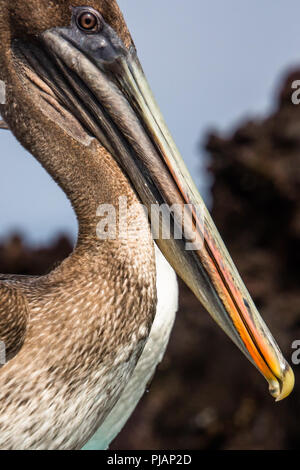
(102, 83)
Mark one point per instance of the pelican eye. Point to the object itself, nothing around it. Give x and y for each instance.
(89, 22)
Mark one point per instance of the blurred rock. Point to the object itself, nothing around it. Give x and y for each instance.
(17, 257)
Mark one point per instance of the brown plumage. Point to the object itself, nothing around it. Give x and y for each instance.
(64, 322)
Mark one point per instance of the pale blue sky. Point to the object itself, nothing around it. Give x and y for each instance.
(209, 62)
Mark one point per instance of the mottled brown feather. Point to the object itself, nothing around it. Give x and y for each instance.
(88, 320)
(13, 318)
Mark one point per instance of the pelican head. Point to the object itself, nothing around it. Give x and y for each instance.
(73, 80)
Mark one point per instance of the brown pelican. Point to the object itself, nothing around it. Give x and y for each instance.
(81, 342)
